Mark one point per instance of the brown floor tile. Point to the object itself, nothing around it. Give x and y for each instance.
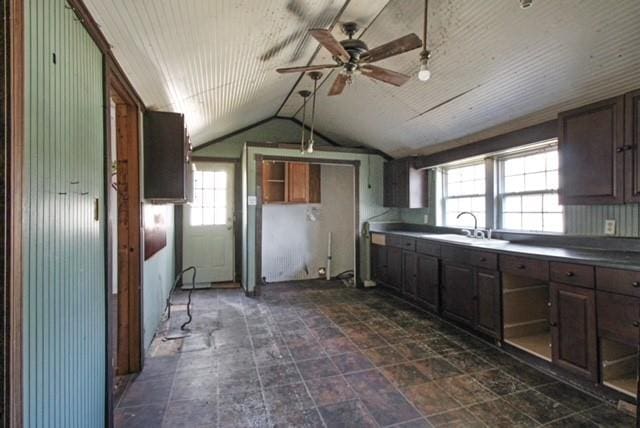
(279, 375)
(499, 414)
(499, 382)
(347, 414)
(528, 375)
(436, 368)
(417, 423)
(389, 407)
(459, 418)
(414, 350)
(430, 399)
(466, 390)
(306, 350)
(405, 374)
(570, 397)
(573, 421)
(317, 368)
(330, 390)
(367, 340)
(193, 413)
(351, 362)
(468, 362)
(304, 419)
(369, 382)
(384, 356)
(338, 345)
(285, 399)
(149, 415)
(538, 406)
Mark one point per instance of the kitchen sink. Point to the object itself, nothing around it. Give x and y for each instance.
(465, 240)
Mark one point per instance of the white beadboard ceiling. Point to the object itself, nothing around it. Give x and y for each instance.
(495, 67)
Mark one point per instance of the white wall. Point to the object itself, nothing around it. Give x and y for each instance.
(158, 274)
(295, 237)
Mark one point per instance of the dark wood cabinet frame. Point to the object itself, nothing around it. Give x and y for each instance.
(258, 226)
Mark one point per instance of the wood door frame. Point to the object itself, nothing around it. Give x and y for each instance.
(237, 213)
(131, 293)
(14, 122)
(259, 158)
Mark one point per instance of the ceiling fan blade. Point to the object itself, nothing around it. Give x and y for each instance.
(339, 84)
(330, 43)
(384, 75)
(306, 68)
(396, 47)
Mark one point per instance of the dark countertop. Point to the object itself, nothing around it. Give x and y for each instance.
(597, 257)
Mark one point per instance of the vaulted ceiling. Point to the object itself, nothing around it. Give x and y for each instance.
(495, 66)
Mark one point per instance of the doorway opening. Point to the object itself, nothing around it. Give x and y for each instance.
(209, 224)
(124, 239)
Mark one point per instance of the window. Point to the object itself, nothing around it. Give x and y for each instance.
(209, 205)
(464, 189)
(529, 191)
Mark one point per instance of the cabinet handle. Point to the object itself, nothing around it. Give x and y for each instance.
(553, 324)
(521, 266)
(570, 274)
(620, 149)
(635, 284)
(549, 304)
(636, 323)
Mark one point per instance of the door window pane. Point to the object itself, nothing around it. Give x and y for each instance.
(209, 205)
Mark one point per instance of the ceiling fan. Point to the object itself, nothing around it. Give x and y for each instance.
(353, 56)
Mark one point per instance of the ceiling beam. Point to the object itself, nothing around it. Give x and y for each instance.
(233, 133)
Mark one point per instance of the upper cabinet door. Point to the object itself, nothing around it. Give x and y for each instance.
(592, 153)
(632, 140)
(298, 180)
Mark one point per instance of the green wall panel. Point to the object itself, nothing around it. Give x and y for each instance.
(64, 285)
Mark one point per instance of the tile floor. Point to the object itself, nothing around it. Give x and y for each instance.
(318, 354)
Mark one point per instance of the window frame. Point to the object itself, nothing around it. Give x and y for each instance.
(500, 195)
(443, 190)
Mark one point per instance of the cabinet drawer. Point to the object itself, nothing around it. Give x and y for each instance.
(409, 244)
(618, 281)
(522, 266)
(618, 317)
(571, 273)
(428, 247)
(395, 241)
(483, 259)
(454, 254)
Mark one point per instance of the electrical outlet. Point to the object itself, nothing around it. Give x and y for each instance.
(426, 218)
(609, 227)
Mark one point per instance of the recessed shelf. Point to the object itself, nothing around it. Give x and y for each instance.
(536, 344)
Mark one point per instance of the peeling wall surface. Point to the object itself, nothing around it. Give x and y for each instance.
(295, 236)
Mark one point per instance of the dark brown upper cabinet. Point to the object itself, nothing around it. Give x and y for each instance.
(404, 186)
(632, 141)
(598, 147)
(168, 172)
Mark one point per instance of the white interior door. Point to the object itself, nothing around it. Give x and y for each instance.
(208, 242)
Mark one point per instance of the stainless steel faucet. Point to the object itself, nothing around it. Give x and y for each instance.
(475, 220)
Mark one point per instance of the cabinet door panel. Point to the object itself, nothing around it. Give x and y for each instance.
(389, 190)
(632, 141)
(618, 317)
(573, 330)
(428, 283)
(379, 263)
(591, 139)
(394, 267)
(488, 318)
(298, 182)
(410, 273)
(458, 292)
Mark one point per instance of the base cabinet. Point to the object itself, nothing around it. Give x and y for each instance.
(573, 329)
(428, 287)
(379, 263)
(410, 274)
(394, 267)
(457, 293)
(488, 315)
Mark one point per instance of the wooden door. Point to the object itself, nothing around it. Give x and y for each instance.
(410, 273)
(591, 153)
(458, 289)
(488, 303)
(298, 182)
(379, 263)
(394, 267)
(573, 329)
(428, 283)
(632, 142)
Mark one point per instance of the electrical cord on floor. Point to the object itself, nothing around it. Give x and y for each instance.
(175, 283)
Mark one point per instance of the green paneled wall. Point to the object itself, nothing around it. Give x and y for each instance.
(64, 284)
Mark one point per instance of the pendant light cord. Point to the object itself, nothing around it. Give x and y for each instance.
(304, 118)
(424, 30)
(313, 110)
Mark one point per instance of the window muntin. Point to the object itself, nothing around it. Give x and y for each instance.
(529, 192)
(464, 189)
(209, 205)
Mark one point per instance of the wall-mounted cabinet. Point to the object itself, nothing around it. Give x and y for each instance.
(405, 186)
(598, 148)
(290, 182)
(168, 171)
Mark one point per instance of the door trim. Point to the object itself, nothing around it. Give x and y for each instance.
(258, 222)
(13, 86)
(237, 213)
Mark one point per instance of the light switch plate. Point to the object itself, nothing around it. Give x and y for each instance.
(609, 227)
(426, 218)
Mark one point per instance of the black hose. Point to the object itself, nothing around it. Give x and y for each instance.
(175, 283)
